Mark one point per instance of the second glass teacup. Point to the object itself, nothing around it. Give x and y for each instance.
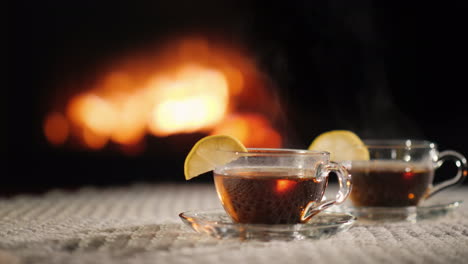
(399, 176)
(278, 186)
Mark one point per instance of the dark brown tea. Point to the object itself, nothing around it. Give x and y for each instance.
(389, 184)
(268, 195)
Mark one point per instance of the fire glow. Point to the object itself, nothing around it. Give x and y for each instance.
(283, 186)
(189, 87)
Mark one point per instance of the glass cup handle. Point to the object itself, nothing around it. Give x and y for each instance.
(344, 179)
(460, 162)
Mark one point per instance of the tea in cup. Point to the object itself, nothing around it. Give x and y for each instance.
(278, 186)
(400, 173)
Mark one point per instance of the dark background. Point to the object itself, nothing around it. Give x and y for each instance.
(378, 68)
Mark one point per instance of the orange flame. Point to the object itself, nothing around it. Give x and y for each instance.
(93, 140)
(195, 99)
(94, 113)
(189, 87)
(56, 128)
(253, 130)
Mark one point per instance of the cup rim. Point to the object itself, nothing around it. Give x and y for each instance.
(399, 143)
(279, 152)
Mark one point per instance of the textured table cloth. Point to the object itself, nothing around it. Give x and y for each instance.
(140, 224)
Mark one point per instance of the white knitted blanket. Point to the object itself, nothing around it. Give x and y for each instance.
(140, 224)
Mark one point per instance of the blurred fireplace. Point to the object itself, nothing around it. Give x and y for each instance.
(189, 86)
(156, 104)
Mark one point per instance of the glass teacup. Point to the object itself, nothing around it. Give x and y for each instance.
(278, 186)
(400, 174)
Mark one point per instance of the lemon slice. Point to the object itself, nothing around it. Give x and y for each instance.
(209, 152)
(342, 145)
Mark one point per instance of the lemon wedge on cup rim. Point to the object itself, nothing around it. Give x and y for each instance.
(209, 152)
(343, 145)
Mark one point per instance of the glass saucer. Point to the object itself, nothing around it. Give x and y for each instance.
(427, 210)
(218, 224)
